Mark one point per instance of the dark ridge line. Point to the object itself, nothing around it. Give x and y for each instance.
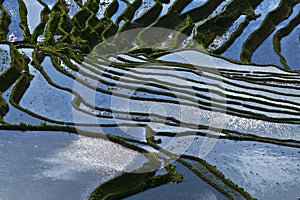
(256, 74)
(236, 136)
(67, 89)
(120, 66)
(68, 129)
(262, 116)
(249, 99)
(141, 122)
(197, 73)
(96, 68)
(195, 126)
(206, 84)
(244, 79)
(131, 61)
(78, 96)
(235, 114)
(269, 79)
(103, 71)
(4, 108)
(197, 89)
(253, 88)
(225, 59)
(72, 129)
(186, 65)
(244, 99)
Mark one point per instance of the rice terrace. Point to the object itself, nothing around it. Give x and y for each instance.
(149, 99)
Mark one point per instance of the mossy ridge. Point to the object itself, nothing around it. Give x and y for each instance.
(92, 5)
(254, 138)
(234, 35)
(81, 32)
(19, 72)
(87, 30)
(285, 31)
(128, 13)
(282, 12)
(3, 107)
(64, 52)
(205, 171)
(265, 82)
(65, 24)
(111, 9)
(137, 181)
(179, 5)
(43, 126)
(206, 9)
(148, 17)
(202, 96)
(233, 135)
(23, 20)
(20, 88)
(11, 75)
(179, 27)
(77, 99)
(8, 78)
(217, 25)
(39, 29)
(170, 20)
(151, 141)
(170, 120)
(5, 21)
(52, 24)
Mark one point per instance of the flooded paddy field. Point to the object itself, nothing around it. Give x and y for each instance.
(144, 99)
